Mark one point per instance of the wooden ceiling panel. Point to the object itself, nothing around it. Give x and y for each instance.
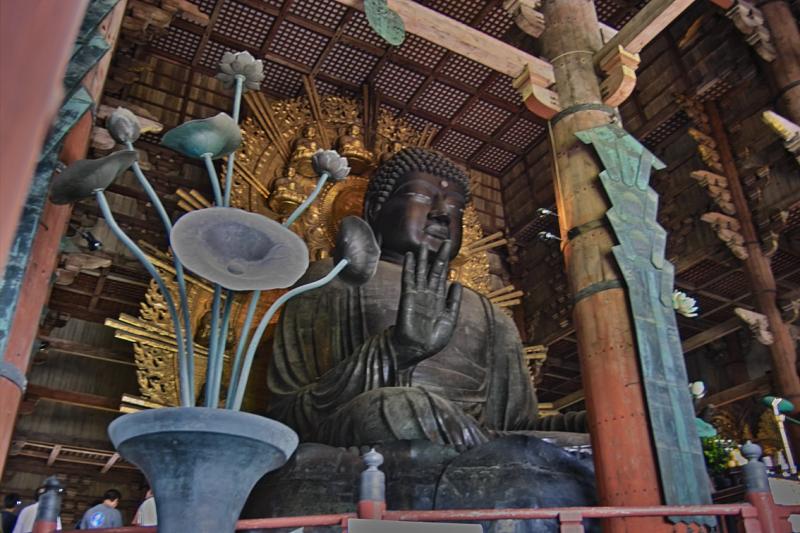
(243, 23)
(730, 286)
(494, 159)
(441, 99)
(398, 82)
(496, 23)
(420, 51)
(206, 6)
(179, 43)
(674, 123)
(457, 144)
(522, 134)
(784, 263)
(465, 70)
(701, 273)
(484, 117)
(348, 64)
(421, 124)
(281, 81)
(358, 28)
(461, 10)
(503, 89)
(213, 52)
(328, 13)
(298, 44)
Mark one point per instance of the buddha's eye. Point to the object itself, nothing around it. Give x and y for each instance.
(419, 197)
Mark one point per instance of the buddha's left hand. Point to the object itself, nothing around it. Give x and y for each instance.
(428, 310)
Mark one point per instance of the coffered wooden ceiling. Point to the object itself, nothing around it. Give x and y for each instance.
(478, 117)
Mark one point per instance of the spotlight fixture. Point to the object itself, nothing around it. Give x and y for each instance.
(546, 236)
(544, 212)
(91, 241)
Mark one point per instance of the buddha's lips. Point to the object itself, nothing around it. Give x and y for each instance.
(438, 231)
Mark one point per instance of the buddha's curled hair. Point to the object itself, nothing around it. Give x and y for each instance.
(409, 160)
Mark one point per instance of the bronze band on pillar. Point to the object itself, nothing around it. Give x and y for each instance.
(594, 288)
(588, 226)
(584, 107)
(14, 375)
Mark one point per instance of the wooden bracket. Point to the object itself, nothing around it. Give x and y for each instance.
(620, 70)
(749, 20)
(540, 101)
(758, 323)
(717, 188)
(526, 16)
(707, 147)
(786, 130)
(727, 229)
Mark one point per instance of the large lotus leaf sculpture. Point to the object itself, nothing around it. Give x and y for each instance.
(217, 136)
(83, 178)
(241, 251)
(356, 243)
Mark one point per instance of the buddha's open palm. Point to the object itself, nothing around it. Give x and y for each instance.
(428, 310)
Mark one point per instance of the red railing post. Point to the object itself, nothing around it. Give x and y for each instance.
(750, 520)
(49, 507)
(758, 494)
(571, 522)
(372, 488)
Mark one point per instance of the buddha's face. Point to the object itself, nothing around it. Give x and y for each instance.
(423, 210)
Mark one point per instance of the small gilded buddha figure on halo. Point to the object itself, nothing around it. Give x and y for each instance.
(305, 147)
(352, 147)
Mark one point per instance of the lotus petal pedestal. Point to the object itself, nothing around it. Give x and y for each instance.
(201, 463)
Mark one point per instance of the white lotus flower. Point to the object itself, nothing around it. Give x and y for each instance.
(683, 304)
(241, 64)
(331, 162)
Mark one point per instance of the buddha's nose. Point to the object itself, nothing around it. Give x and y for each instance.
(438, 211)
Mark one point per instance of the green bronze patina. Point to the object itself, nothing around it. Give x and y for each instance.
(385, 22)
(649, 278)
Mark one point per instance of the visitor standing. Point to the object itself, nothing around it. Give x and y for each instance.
(105, 514)
(27, 516)
(9, 513)
(146, 513)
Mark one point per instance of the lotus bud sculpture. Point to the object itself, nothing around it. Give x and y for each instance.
(241, 65)
(331, 162)
(123, 126)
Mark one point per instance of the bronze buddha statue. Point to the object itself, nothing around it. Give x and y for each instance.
(430, 371)
(286, 194)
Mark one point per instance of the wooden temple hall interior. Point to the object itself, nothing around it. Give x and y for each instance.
(624, 157)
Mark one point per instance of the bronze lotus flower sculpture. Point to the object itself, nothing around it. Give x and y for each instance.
(217, 136)
(241, 64)
(83, 178)
(356, 243)
(123, 126)
(239, 250)
(331, 162)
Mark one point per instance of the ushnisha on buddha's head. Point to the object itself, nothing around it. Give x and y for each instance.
(416, 199)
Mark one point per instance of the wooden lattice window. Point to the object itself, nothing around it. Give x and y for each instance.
(665, 129)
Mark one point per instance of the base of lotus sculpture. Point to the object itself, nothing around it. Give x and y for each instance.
(514, 471)
(201, 463)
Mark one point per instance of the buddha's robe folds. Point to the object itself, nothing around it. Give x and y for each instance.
(334, 373)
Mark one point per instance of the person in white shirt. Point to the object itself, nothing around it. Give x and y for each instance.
(28, 516)
(146, 513)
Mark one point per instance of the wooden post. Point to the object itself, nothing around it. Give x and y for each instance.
(786, 66)
(36, 284)
(624, 456)
(762, 281)
(36, 39)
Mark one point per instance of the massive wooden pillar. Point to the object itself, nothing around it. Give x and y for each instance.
(36, 39)
(624, 456)
(786, 66)
(762, 281)
(44, 254)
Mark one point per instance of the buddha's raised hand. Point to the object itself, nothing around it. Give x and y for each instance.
(428, 310)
